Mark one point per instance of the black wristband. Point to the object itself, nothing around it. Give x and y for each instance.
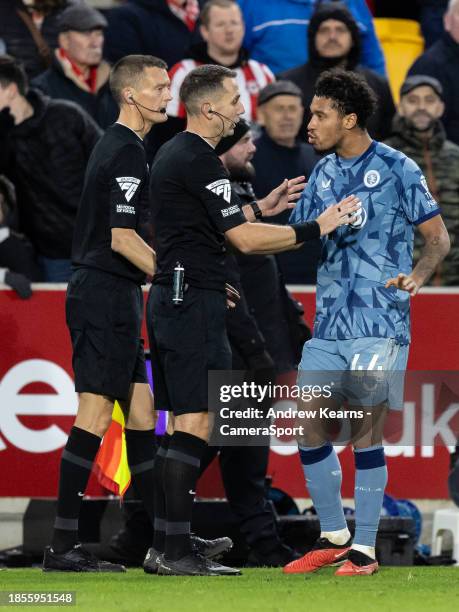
(256, 209)
(306, 231)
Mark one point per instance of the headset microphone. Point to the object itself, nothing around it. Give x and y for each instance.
(213, 112)
(152, 110)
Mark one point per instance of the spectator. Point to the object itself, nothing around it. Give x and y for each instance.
(18, 266)
(29, 31)
(45, 147)
(222, 28)
(78, 72)
(334, 41)
(277, 32)
(163, 28)
(441, 61)
(419, 133)
(431, 18)
(281, 154)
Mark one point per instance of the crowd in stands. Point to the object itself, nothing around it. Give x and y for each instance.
(55, 101)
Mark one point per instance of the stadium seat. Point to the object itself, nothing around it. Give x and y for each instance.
(402, 43)
(445, 520)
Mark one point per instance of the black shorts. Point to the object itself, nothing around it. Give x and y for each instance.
(104, 316)
(186, 342)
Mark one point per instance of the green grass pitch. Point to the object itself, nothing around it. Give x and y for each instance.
(397, 589)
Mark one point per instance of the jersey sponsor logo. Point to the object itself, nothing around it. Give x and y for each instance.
(326, 184)
(232, 210)
(360, 218)
(129, 185)
(125, 209)
(222, 187)
(371, 178)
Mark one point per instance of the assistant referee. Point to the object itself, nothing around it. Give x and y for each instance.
(193, 208)
(104, 305)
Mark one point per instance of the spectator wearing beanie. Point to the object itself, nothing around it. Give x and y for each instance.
(334, 41)
(276, 32)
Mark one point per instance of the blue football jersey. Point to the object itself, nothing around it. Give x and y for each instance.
(358, 259)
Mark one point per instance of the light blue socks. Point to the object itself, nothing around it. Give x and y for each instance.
(322, 472)
(370, 482)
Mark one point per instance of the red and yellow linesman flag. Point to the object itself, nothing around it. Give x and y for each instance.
(111, 465)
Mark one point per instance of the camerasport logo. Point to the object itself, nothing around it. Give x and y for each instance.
(128, 184)
(15, 404)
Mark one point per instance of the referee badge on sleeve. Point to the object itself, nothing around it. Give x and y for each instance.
(128, 185)
(222, 187)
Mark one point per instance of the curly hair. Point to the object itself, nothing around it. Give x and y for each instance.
(349, 92)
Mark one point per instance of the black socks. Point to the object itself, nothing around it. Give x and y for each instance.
(76, 465)
(159, 536)
(181, 472)
(141, 451)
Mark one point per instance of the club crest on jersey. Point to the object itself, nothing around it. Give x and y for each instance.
(371, 178)
(128, 184)
(222, 187)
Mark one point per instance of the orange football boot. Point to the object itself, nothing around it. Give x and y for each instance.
(358, 564)
(323, 554)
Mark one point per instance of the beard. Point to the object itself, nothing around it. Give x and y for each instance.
(241, 174)
(412, 125)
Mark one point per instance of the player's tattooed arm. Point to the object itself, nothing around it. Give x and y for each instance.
(436, 247)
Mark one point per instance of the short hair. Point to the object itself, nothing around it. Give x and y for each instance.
(11, 71)
(203, 81)
(129, 70)
(349, 92)
(205, 11)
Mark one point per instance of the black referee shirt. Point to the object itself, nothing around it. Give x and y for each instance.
(115, 194)
(192, 206)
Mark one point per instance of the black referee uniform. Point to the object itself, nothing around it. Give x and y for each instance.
(104, 308)
(104, 299)
(192, 206)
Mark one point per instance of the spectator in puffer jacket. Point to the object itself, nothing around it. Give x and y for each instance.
(418, 132)
(78, 72)
(18, 265)
(16, 34)
(45, 146)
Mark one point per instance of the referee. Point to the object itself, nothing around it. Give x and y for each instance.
(104, 306)
(193, 209)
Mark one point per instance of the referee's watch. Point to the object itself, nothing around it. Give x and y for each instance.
(256, 209)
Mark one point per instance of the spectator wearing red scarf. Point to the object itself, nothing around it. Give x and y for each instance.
(78, 72)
